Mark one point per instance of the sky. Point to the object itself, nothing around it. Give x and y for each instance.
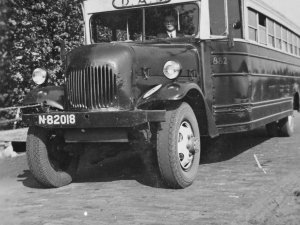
(289, 8)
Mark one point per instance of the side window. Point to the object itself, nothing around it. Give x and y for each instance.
(278, 36)
(252, 25)
(284, 39)
(217, 17)
(262, 20)
(295, 44)
(290, 42)
(266, 31)
(271, 33)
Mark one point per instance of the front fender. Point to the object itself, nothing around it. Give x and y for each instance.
(52, 95)
(170, 92)
(177, 92)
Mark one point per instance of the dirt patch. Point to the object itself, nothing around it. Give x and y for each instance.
(280, 206)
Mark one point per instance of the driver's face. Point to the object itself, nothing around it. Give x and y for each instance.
(170, 23)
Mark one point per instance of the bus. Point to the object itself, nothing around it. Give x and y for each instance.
(178, 69)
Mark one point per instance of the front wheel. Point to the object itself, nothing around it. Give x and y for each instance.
(48, 162)
(178, 147)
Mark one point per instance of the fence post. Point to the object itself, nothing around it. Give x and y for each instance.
(17, 118)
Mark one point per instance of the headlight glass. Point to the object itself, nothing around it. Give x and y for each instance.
(172, 69)
(39, 76)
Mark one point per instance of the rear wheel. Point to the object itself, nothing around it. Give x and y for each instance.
(287, 126)
(272, 129)
(47, 160)
(178, 147)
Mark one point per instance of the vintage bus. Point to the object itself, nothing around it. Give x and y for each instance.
(234, 67)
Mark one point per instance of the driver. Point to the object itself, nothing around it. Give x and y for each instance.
(170, 26)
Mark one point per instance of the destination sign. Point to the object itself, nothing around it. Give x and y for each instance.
(133, 3)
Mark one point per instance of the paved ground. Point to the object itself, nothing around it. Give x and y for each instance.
(229, 189)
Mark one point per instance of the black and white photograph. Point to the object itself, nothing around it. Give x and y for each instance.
(150, 112)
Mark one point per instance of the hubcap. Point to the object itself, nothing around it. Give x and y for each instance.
(186, 145)
(291, 122)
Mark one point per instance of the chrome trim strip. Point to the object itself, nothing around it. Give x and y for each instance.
(253, 121)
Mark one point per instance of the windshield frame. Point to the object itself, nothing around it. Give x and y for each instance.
(197, 3)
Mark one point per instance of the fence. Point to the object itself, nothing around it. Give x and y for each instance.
(17, 117)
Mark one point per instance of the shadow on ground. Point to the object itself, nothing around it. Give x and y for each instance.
(228, 146)
(142, 166)
(28, 180)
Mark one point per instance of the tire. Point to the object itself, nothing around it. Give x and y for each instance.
(272, 129)
(287, 126)
(178, 164)
(50, 165)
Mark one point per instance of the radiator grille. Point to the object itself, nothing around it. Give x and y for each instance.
(92, 87)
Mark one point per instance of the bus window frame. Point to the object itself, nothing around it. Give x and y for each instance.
(203, 24)
(196, 2)
(278, 19)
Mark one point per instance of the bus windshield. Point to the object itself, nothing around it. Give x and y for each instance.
(144, 24)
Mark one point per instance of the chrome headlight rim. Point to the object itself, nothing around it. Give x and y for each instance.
(172, 69)
(39, 76)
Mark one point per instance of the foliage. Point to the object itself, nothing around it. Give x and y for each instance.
(31, 32)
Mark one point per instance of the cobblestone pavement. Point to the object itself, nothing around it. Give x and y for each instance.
(229, 189)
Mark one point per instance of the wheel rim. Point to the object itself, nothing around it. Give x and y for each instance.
(185, 145)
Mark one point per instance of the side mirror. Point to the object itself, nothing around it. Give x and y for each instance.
(237, 25)
(234, 26)
(230, 36)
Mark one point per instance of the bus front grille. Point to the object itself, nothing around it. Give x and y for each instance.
(92, 87)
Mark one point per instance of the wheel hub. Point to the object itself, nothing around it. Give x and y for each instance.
(187, 145)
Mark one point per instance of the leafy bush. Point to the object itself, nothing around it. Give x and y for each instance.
(31, 32)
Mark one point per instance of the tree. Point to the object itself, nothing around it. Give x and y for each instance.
(31, 31)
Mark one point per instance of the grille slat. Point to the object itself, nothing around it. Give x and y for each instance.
(105, 86)
(102, 86)
(80, 89)
(71, 90)
(84, 87)
(92, 87)
(98, 87)
(77, 88)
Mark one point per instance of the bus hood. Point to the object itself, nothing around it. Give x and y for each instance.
(121, 72)
(100, 76)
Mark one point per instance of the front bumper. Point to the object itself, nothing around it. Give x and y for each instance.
(97, 119)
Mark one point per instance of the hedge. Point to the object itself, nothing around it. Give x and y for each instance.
(30, 36)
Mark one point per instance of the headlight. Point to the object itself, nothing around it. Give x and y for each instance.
(39, 76)
(172, 69)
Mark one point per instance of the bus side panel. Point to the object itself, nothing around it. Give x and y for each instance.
(231, 87)
(253, 85)
(274, 80)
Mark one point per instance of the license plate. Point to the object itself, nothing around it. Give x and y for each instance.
(68, 119)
